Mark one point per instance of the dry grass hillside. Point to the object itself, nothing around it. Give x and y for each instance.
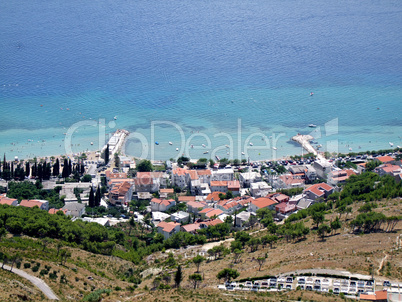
(86, 272)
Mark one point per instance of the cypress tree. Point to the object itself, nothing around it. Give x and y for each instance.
(40, 172)
(56, 168)
(35, 170)
(4, 162)
(178, 276)
(97, 197)
(91, 201)
(65, 173)
(107, 154)
(12, 170)
(70, 170)
(27, 169)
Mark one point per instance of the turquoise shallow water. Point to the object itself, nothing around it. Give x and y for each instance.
(224, 73)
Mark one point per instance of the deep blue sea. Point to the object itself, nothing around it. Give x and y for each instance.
(200, 72)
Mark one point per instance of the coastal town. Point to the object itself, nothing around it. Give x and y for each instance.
(191, 196)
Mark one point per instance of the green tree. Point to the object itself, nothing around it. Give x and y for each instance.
(318, 217)
(91, 200)
(145, 166)
(228, 274)
(323, 230)
(336, 224)
(178, 277)
(237, 255)
(195, 280)
(107, 154)
(261, 261)
(197, 260)
(97, 198)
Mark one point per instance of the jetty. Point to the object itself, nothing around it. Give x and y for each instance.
(304, 141)
(116, 142)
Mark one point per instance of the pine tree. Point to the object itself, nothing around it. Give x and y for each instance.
(91, 201)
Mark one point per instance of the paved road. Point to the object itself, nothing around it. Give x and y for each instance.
(39, 283)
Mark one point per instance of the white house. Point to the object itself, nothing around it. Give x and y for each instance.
(180, 217)
(260, 189)
(167, 229)
(247, 178)
(162, 204)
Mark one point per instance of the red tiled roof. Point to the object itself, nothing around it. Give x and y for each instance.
(378, 295)
(213, 222)
(6, 200)
(186, 198)
(388, 168)
(219, 183)
(263, 202)
(318, 189)
(290, 179)
(385, 159)
(193, 174)
(214, 212)
(179, 172)
(54, 211)
(204, 172)
(196, 204)
(234, 185)
(121, 188)
(164, 202)
(206, 210)
(191, 227)
(143, 180)
(214, 196)
(115, 175)
(168, 226)
(30, 203)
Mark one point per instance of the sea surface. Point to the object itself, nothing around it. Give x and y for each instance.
(236, 76)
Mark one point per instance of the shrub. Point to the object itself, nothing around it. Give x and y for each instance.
(27, 265)
(44, 272)
(35, 269)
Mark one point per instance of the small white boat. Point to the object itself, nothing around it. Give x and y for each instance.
(203, 145)
(92, 143)
(115, 117)
(350, 149)
(311, 93)
(217, 158)
(227, 153)
(242, 153)
(391, 144)
(227, 146)
(251, 144)
(206, 152)
(170, 143)
(275, 148)
(177, 149)
(312, 125)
